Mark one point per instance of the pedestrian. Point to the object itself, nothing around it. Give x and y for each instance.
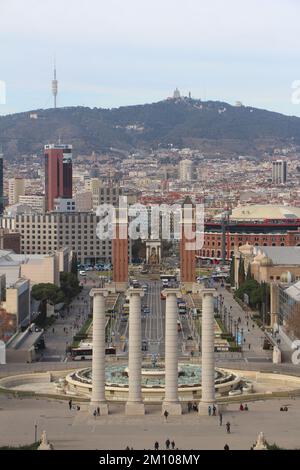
(226, 447)
(249, 346)
(220, 419)
(241, 407)
(70, 404)
(214, 410)
(209, 411)
(78, 408)
(53, 330)
(98, 411)
(246, 408)
(168, 444)
(228, 427)
(166, 414)
(156, 445)
(95, 413)
(173, 445)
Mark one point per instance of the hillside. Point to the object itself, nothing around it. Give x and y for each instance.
(210, 126)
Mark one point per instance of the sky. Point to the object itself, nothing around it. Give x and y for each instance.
(111, 53)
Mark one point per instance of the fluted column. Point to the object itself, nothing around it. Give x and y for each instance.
(98, 360)
(171, 401)
(135, 405)
(208, 351)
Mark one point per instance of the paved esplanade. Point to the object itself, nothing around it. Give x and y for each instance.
(171, 402)
(208, 351)
(98, 362)
(135, 405)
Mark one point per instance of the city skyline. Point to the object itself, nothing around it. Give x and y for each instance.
(114, 55)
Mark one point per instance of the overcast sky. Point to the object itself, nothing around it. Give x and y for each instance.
(111, 53)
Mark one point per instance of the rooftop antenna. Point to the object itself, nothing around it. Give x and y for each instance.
(54, 85)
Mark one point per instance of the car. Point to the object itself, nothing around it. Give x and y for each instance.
(145, 287)
(82, 273)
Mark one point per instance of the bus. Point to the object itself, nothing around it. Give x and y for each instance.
(85, 352)
(168, 279)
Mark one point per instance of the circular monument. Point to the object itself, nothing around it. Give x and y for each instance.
(153, 381)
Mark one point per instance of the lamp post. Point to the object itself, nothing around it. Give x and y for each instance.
(35, 431)
(235, 331)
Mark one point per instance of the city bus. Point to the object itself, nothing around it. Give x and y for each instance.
(85, 352)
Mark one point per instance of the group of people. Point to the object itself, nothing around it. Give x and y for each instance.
(192, 406)
(284, 408)
(169, 445)
(244, 408)
(96, 412)
(75, 407)
(212, 411)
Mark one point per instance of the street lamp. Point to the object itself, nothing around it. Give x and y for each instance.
(35, 431)
(235, 330)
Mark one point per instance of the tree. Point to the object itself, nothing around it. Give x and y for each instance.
(69, 285)
(48, 292)
(249, 275)
(241, 272)
(74, 267)
(293, 322)
(231, 273)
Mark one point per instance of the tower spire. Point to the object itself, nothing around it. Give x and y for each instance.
(54, 84)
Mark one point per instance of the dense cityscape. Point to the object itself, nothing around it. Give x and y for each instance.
(150, 286)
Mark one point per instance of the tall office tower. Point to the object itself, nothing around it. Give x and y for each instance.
(279, 172)
(1, 184)
(186, 170)
(16, 188)
(58, 173)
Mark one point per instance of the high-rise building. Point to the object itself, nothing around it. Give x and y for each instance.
(1, 184)
(16, 188)
(185, 170)
(279, 172)
(58, 173)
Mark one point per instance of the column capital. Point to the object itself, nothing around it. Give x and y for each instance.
(171, 291)
(99, 291)
(135, 291)
(208, 291)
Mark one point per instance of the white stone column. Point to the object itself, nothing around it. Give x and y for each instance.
(135, 405)
(208, 351)
(171, 402)
(98, 360)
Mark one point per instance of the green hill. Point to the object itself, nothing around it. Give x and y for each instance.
(210, 126)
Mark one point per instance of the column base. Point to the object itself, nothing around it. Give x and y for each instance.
(134, 408)
(103, 407)
(173, 408)
(203, 408)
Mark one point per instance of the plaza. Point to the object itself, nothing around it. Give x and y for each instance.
(80, 430)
